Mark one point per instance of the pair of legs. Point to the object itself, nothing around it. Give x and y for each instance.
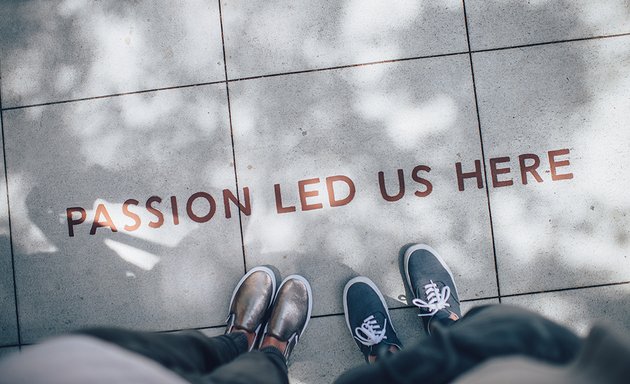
(265, 323)
(263, 326)
(452, 344)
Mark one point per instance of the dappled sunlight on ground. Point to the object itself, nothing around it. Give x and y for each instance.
(128, 114)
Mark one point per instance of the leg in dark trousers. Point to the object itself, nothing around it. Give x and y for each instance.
(484, 333)
(225, 359)
(198, 358)
(250, 367)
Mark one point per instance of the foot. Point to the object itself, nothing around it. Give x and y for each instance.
(368, 319)
(250, 303)
(289, 316)
(432, 284)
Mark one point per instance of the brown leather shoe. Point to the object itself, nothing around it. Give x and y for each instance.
(251, 300)
(291, 312)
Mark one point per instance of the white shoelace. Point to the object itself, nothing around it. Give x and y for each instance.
(369, 333)
(437, 299)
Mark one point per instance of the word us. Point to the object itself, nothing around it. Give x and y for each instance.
(160, 210)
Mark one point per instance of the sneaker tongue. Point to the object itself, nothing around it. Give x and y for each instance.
(380, 318)
(439, 284)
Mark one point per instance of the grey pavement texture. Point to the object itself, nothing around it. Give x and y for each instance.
(7, 351)
(8, 320)
(152, 144)
(576, 230)
(131, 134)
(383, 101)
(575, 307)
(56, 51)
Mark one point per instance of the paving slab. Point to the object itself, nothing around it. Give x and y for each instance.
(296, 131)
(566, 107)
(8, 321)
(7, 351)
(263, 37)
(174, 257)
(580, 309)
(327, 348)
(212, 332)
(52, 51)
(505, 23)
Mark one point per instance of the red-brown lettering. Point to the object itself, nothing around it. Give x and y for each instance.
(211, 211)
(401, 186)
(156, 212)
(97, 223)
(421, 180)
(529, 168)
(495, 172)
(279, 207)
(174, 210)
(131, 215)
(304, 194)
(229, 196)
(462, 176)
(72, 221)
(331, 190)
(554, 165)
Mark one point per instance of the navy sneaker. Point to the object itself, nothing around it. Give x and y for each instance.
(432, 284)
(368, 319)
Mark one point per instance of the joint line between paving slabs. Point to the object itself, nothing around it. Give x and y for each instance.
(193, 329)
(10, 346)
(494, 297)
(227, 91)
(318, 70)
(567, 289)
(88, 98)
(598, 37)
(483, 154)
(219, 326)
(6, 186)
(345, 66)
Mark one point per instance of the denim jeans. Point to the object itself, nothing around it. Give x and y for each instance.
(200, 359)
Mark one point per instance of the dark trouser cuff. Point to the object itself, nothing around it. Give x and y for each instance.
(238, 340)
(276, 357)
